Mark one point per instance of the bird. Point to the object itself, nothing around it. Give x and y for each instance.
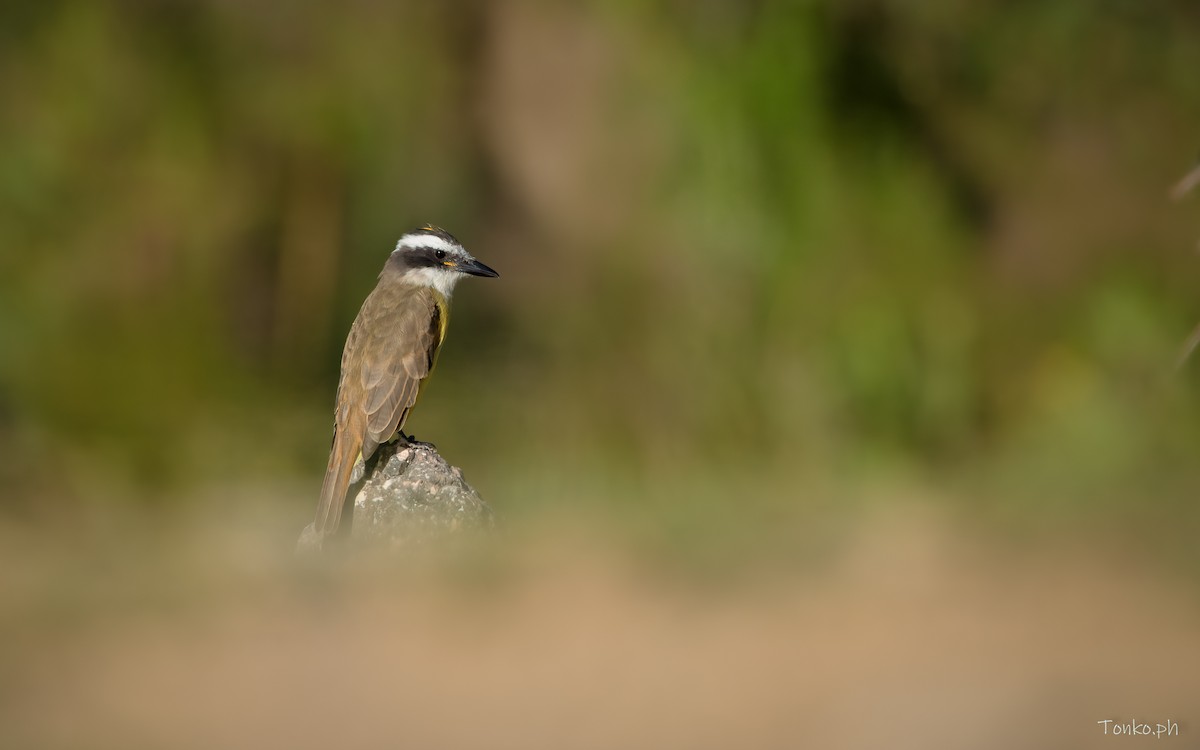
(389, 354)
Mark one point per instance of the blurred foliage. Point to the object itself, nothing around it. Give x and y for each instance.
(749, 251)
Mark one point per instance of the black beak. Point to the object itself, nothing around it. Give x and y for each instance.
(475, 268)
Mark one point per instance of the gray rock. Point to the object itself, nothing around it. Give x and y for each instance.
(410, 496)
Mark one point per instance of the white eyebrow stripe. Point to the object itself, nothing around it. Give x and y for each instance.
(430, 241)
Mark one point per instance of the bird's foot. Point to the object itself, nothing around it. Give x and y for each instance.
(412, 441)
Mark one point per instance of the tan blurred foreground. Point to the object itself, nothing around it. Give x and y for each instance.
(912, 635)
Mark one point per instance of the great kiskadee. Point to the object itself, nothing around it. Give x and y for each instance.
(389, 353)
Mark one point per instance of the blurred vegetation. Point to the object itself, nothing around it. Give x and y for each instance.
(755, 257)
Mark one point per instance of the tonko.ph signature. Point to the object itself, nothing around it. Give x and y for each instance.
(1140, 728)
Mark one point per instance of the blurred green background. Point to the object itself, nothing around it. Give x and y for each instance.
(828, 395)
(759, 259)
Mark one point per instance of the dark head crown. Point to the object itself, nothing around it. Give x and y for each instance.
(436, 231)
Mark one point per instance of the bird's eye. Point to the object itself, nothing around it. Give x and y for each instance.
(440, 254)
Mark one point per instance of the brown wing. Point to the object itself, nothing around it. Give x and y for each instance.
(390, 350)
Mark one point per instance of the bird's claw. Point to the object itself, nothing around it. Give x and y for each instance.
(410, 440)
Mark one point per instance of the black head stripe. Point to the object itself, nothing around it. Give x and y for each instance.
(422, 257)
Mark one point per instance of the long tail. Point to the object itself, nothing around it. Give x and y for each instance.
(342, 457)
